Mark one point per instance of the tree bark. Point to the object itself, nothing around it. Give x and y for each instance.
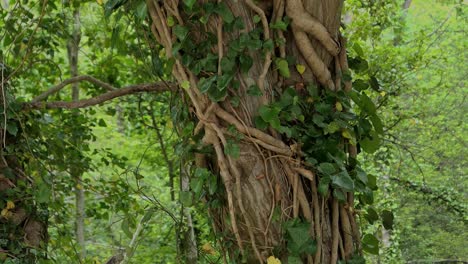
(269, 173)
(73, 47)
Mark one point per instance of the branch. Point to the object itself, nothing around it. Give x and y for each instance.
(60, 86)
(132, 89)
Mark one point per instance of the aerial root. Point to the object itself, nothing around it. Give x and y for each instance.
(304, 22)
(267, 61)
(319, 69)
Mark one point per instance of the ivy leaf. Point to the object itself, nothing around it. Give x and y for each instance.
(370, 244)
(189, 3)
(323, 186)
(181, 32)
(12, 128)
(232, 149)
(332, 128)
(223, 81)
(205, 84)
(185, 84)
(387, 219)
(370, 144)
(281, 25)
(268, 114)
(228, 64)
(300, 68)
(283, 67)
(102, 123)
(326, 168)
(246, 63)
(254, 90)
(371, 215)
(268, 44)
(367, 105)
(223, 10)
(377, 123)
(256, 19)
(300, 240)
(343, 181)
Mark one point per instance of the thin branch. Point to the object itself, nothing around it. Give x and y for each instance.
(76, 79)
(132, 89)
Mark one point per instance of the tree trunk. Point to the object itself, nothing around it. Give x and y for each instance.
(268, 183)
(23, 226)
(73, 47)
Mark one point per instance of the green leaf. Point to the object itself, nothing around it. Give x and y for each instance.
(181, 32)
(260, 123)
(268, 44)
(205, 84)
(197, 185)
(324, 185)
(326, 168)
(283, 67)
(256, 19)
(223, 81)
(268, 113)
(185, 198)
(228, 65)
(223, 10)
(371, 215)
(377, 123)
(370, 144)
(254, 90)
(246, 63)
(232, 149)
(190, 3)
(102, 123)
(300, 241)
(12, 128)
(332, 128)
(141, 11)
(42, 192)
(343, 181)
(281, 25)
(367, 105)
(370, 244)
(387, 219)
(185, 85)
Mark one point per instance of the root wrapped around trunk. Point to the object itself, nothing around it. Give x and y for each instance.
(268, 183)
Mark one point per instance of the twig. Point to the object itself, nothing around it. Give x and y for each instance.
(132, 89)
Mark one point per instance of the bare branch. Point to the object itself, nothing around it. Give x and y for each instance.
(61, 85)
(132, 89)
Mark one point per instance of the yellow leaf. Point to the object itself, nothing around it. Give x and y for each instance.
(339, 107)
(208, 249)
(383, 93)
(273, 260)
(5, 213)
(79, 186)
(300, 68)
(10, 205)
(99, 2)
(185, 84)
(346, 134)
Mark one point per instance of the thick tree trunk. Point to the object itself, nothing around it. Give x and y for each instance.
(268, 183)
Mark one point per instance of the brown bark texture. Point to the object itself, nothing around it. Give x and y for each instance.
(269, 175)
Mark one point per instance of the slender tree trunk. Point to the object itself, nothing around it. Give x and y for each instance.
(73, 47)
(268, 176)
